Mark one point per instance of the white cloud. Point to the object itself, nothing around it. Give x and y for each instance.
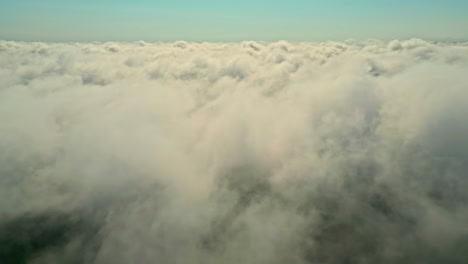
(237, 153)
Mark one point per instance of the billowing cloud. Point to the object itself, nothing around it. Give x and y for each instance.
(251, 152)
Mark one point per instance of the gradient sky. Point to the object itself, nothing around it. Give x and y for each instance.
(210, 20)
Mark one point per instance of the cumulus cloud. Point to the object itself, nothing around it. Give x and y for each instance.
(251, 152)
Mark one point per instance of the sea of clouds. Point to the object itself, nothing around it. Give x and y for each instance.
(223, 153)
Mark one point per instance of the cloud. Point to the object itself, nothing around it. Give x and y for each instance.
(234, 152)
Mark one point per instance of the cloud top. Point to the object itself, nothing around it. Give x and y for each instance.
(251, 152)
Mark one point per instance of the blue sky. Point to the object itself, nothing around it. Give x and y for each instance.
(210, 20)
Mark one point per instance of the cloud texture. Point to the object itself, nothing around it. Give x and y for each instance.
(353, 152)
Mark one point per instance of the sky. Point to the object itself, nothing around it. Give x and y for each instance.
(210, 20)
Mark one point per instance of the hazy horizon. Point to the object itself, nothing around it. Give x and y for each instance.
(212, 21)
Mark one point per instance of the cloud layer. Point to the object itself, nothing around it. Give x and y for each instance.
(353, 152)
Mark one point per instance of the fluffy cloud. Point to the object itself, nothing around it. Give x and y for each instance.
(249, 152)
